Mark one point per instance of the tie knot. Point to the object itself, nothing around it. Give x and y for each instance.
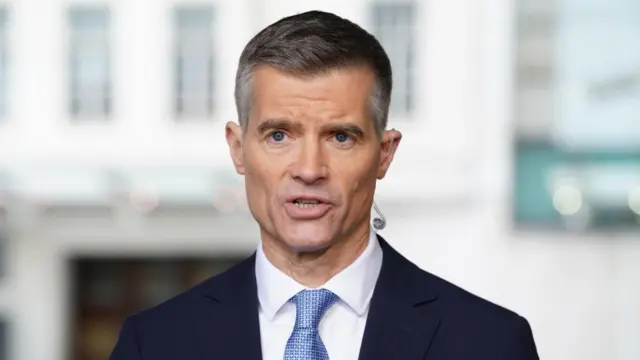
(311, 306)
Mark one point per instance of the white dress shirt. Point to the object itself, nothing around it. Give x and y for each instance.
(341, 327)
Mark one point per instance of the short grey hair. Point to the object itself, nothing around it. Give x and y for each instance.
(310, 44)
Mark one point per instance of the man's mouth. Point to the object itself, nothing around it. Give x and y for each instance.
(307, 207)
(305, 204)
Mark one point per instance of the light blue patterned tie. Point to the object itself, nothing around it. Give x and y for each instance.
(305, 342)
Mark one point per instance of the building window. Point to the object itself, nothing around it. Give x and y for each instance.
(577, 91)
(193, 62)
(3, 61)
(89, 62)
(394, 26)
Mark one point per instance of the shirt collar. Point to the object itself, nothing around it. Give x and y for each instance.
(275, 288)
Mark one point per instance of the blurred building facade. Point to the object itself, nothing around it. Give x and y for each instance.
(117, 190)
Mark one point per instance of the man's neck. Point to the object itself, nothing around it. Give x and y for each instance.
(314, 269)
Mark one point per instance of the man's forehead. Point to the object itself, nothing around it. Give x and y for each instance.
(347, 79)
(341, 97)
(344, 92)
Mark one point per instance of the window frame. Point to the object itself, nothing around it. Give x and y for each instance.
(404, 77)
(76, 95)
(177, 62)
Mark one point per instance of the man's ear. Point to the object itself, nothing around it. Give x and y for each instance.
(390, 141)
(233, 133)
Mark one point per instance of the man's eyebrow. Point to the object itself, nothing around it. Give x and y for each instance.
(347, 128)
(287, 124)
(275, 123)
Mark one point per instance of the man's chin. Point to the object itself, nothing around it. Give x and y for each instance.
(307, 244)
(307, 236)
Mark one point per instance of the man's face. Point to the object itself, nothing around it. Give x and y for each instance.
(311, 155)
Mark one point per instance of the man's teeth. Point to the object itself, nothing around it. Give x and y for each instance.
(304, 204)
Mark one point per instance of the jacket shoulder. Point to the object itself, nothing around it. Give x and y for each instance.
(470, 313)
(471, 319)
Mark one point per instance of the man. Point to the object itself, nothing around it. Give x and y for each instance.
(312, 94)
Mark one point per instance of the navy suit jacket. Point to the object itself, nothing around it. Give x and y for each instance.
(413, 315)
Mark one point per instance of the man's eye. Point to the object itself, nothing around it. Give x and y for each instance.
(342, 137)
(277, 136)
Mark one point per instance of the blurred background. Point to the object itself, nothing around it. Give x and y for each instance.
(518, 177)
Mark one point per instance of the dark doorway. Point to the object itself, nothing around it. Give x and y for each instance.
(4, 352)
(105, 291)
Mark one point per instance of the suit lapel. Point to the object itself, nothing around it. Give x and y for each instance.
(402, 320)
(229, 328)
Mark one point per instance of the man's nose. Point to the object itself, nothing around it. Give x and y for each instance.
(310, 165)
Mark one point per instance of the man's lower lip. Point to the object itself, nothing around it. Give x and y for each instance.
(306, 213)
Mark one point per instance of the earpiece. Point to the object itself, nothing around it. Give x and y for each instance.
(379, 222)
